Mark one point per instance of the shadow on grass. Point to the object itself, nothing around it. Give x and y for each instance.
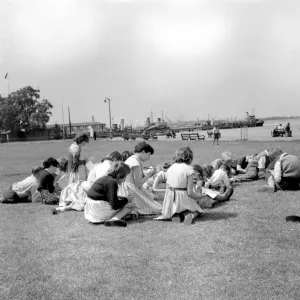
(215, 216)
(146, 218)
(15, 174)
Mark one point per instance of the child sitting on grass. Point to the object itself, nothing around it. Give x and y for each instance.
(25, 190)
(216, 179)
(153, 183)
(103, 204)
(180, 197)
(211, 196)
(48, 195)
(251, 172)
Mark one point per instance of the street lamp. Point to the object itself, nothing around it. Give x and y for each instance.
(108, 100)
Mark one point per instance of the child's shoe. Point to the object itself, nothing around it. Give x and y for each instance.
(228, 193)
(188, 219)
(115, 223)
(178, 218)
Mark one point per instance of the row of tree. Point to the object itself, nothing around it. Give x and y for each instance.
(24, 110)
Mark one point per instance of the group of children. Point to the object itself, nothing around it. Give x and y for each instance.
(121, 188)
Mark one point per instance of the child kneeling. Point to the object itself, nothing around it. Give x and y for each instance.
(25, 190)
(180, 197)
(103, 205)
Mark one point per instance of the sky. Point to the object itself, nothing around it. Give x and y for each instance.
(181, 59)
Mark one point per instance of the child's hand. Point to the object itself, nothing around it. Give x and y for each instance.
(152, 171)
(206, 185)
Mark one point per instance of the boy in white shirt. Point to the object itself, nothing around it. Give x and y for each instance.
(219, 177)
(25, 190)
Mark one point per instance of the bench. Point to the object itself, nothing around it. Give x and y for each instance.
(192, 137)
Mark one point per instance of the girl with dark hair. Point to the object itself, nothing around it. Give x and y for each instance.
(73, 196)
(126, 154)
(143, 200)
(46, 182)
(180, 197)
(74, 157)
(103, 205)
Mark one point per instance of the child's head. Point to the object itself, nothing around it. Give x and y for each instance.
(144, 150)
(50, 162)
(166, 166)
(62, 164)
(81, 139)
(126, 154)
(225, 167)
(208, 170)
(113, 156)
(119, 171)
(198, 171)
(183, 155)
(143, 146)
(36, 171)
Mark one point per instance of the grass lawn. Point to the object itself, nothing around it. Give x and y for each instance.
(242, 250)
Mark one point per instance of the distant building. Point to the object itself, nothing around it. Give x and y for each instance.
(76, 128)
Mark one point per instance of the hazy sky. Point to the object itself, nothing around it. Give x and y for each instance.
(189, 59)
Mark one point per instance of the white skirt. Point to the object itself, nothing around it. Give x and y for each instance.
(74, 195)
(177, 201)
(98, 211)
(143, 200)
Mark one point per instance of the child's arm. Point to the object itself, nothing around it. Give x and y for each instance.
(138, 176)
(190, 189)
(112, 196)
(156, 182)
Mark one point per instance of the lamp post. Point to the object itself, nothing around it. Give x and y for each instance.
(108, 100)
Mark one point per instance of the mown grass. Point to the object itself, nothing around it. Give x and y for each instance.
(241, 250)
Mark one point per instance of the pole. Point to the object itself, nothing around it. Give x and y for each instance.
(69, 120)
(62, 112)
(108, 100)
(7, 77)
(110, 132)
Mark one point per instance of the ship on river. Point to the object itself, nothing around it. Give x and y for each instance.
(161, 126)
(249, 121)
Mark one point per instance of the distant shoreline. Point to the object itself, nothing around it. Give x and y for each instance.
(280, 118)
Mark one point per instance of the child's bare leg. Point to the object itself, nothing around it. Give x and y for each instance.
(116, 220)
(226, 196)
(61, 209)
(122, 213)
(189, 217)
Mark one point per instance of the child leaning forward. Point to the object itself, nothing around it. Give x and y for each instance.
(103, 205)
(25, 190)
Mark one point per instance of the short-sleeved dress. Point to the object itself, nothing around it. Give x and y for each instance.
(74, 155)
(143, 200)
(176, 198)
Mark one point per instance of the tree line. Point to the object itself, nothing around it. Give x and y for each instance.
(23, 110)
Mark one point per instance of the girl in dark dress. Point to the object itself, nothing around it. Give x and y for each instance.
(103, 204)
(46, 182)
